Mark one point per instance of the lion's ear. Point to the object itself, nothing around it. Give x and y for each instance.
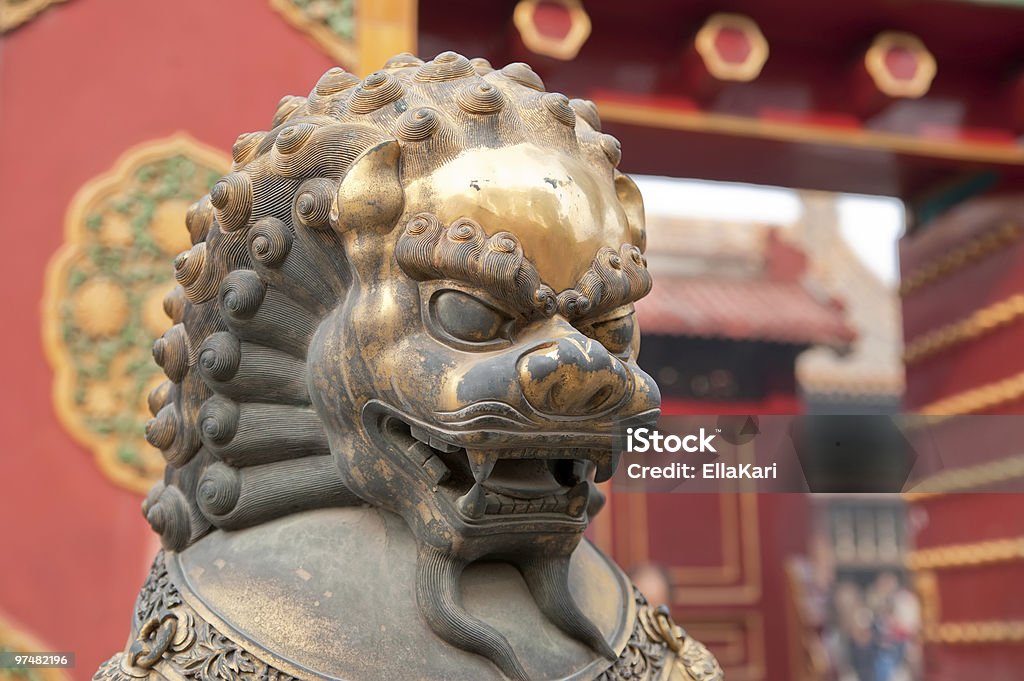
(370, 195)
(633, 204)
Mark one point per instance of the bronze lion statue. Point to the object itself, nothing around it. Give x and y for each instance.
(403, 343)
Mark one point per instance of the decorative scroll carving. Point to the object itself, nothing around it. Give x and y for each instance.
(646, 652)
(169, 636)
(656, 641)
(104, 298)
(168, 633)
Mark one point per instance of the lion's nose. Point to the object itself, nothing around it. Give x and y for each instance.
(572, 376)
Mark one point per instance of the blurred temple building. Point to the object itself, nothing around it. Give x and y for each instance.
(782, 319)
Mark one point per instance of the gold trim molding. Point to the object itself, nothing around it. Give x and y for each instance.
(103, 299)
(978, 399)
(954, 260)
(618, 111)
(976, 632)
(973, 554)
(968, 478)
(14, 13)
(979, 323)
(973, 632)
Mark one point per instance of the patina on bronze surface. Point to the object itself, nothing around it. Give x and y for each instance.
(402, 340)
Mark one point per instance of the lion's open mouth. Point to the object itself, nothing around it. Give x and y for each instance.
(500, 481)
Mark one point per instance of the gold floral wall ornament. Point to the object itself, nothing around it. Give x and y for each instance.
(14, 13)
(331, 23)
(103, 301)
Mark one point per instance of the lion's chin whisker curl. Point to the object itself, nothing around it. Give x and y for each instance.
(437, 594)
(548, 580)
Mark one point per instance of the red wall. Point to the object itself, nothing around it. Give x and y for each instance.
(80, 84)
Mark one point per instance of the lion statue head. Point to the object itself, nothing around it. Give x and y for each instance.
(415, 292)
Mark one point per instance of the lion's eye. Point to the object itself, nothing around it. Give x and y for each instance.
(467, 318)
(616, 335)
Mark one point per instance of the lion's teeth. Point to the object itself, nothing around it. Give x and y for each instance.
(420, 452)
(481, 462)
(581, 469)
(473, 503)
(436, 470)
(596, 501)
(420, 434)
(605, 468)
(578, 499)
(441, 445)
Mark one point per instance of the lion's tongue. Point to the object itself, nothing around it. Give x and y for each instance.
(523, 479)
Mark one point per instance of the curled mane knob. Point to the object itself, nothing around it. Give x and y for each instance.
(219, 489)
(524, 75)
(558, 105)
(480, 98)
(545, 300)
(586, 110)
(219, 356)
(377, 89)
(612, 149)
(503, 242)
(196, 274)
(152, 496)
(445, 66)
(170, 352)
(418, 124)
(293, 137)
(244, 147)
(288, 105)
(218, 420)
(161, 430)
(199, 218)
(232, 199)
(403, 60)
(572, 304)
(335, 80)
(464, 230)
(481, 66)
(637, 257)
(270, 241)
(159, 397)
(241, 294)
(174, 304)
(313, 203)
(169, 517)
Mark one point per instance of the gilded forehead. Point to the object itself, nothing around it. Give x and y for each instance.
(428, 249)
(563, 209)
